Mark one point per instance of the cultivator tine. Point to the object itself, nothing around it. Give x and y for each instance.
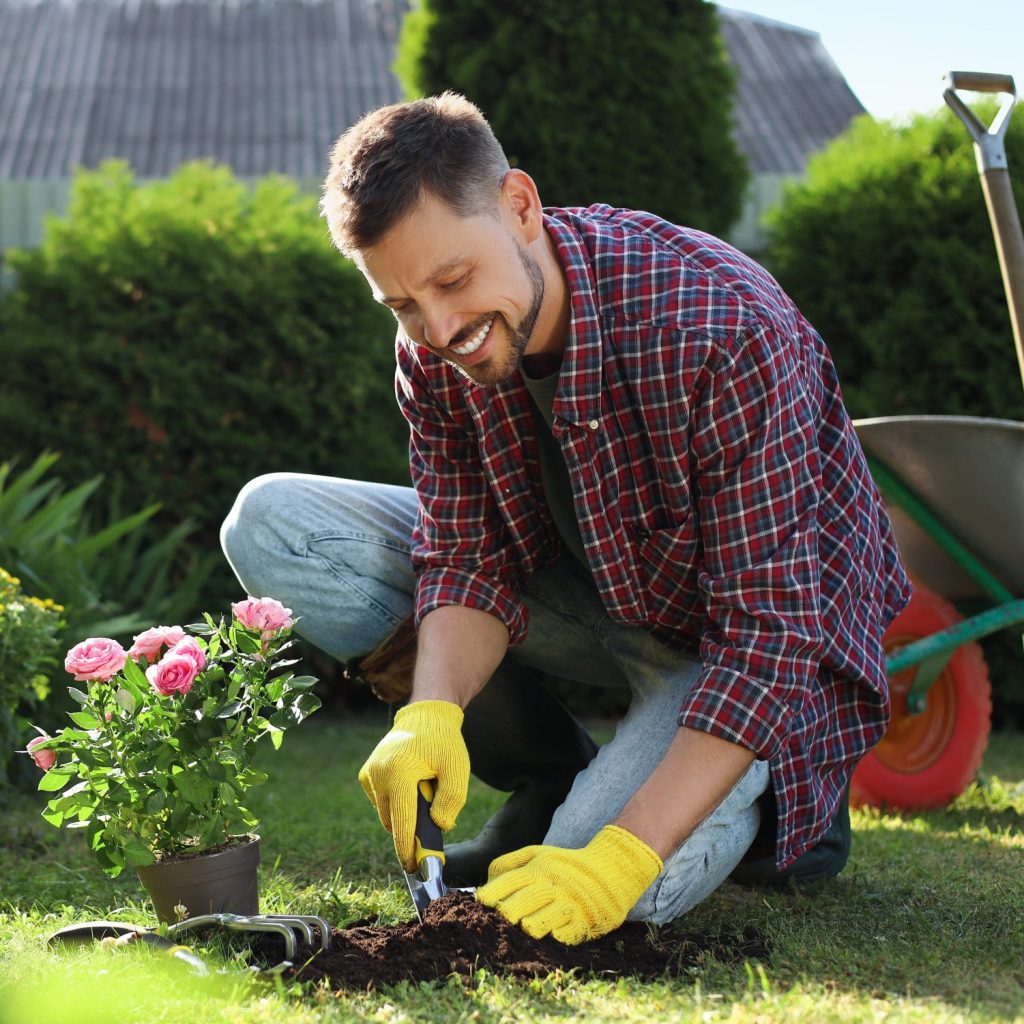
(305, 923)
(288, 926)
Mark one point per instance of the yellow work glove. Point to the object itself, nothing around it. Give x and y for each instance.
(425, 742)
(573, 895)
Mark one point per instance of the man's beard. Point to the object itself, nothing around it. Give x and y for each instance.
(506, 367)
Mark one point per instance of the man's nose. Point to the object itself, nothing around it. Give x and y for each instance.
(440, 326)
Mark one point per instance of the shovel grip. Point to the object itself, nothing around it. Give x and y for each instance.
(429, 840)
(980, 81)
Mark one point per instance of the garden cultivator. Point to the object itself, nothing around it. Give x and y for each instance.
(291, 928)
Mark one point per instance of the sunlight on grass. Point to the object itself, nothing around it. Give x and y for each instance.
(926, 923)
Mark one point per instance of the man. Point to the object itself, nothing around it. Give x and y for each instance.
(632, 467)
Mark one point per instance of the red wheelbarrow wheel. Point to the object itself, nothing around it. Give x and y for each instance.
(926, 760)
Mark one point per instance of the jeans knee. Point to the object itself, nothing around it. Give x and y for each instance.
(247, 535)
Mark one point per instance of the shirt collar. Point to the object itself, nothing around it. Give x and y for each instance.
(579, 390)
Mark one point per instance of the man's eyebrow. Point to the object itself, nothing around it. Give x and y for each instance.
(441, 271)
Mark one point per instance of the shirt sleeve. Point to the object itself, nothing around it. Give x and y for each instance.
(753, 439)
(461, 550)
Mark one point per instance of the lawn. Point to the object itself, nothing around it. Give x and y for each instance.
(926, 923)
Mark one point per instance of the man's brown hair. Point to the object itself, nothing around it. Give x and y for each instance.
(383, 164)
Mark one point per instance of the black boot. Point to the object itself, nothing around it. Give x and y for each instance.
(523, 740)
(823, 860)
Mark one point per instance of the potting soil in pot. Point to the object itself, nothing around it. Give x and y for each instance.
(459, 935)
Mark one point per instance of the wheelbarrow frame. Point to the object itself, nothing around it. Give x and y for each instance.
(932, 653)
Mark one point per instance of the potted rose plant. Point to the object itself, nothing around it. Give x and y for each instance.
(159, 757)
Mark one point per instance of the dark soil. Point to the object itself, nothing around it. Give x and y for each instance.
(459, 935)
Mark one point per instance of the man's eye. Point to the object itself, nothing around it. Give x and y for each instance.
(452, 286)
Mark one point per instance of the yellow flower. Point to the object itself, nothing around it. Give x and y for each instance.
(47, 604)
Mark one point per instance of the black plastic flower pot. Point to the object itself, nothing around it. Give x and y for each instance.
(218, 882)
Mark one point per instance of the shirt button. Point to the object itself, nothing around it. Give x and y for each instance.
(593, 424)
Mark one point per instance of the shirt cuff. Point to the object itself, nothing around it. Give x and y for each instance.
(439, 588)
(739, 709)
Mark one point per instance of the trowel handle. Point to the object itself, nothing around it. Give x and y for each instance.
(429, 840)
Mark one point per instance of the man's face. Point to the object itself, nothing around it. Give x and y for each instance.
(464, 287)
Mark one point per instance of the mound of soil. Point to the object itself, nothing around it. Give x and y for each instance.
(459, 935)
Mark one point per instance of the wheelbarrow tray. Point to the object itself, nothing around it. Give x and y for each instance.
(969, 471)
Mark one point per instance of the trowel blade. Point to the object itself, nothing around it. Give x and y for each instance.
(419, 894)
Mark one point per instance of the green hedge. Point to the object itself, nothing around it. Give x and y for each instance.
(183, 336)
(599, 100)
(887, 249)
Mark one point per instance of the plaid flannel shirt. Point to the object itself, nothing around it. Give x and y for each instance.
(723, 499)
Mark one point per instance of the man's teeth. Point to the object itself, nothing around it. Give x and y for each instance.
(475, 342)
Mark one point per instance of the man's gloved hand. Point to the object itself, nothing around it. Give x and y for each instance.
(573, 895)
(424, 743)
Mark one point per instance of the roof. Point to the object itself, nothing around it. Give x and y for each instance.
(261, 85)
(266, 85)
(791, 98)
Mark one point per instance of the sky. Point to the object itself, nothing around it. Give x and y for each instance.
(894, 53)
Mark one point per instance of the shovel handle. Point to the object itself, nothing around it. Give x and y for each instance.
(429, 840)
(990, 151)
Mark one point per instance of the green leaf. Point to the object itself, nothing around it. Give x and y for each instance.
(304, 705)
(82, 698)
(136, 852)
(57, 778)
(83, 719)
(135, 680)
(247, 643)
(227, 710)
(193, 787)
(302, 682)
(125, 699)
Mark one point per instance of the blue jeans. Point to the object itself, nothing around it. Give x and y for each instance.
(337, 553)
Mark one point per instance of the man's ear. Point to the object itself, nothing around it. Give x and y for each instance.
(520, 204)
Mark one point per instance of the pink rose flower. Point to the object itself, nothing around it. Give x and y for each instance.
(95, 658)
(150, 642)
(44, 759)
(188, 648)
(262, 613)
(174, 673)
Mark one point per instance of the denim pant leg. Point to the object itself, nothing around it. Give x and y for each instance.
(334, 551)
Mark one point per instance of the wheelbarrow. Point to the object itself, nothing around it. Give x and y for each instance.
(935, 474)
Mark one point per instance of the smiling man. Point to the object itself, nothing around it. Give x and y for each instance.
(632, 467)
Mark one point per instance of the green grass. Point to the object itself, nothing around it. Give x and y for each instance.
(926, 924)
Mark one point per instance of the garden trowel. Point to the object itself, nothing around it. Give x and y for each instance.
(425, 883)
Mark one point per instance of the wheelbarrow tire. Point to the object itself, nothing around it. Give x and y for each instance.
(927, 760)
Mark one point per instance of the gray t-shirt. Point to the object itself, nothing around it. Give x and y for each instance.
(553, 471)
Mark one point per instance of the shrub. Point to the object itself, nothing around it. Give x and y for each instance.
(29, 628)
(110, 577)
(600, 101)
(186, 335)
(887, 249)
